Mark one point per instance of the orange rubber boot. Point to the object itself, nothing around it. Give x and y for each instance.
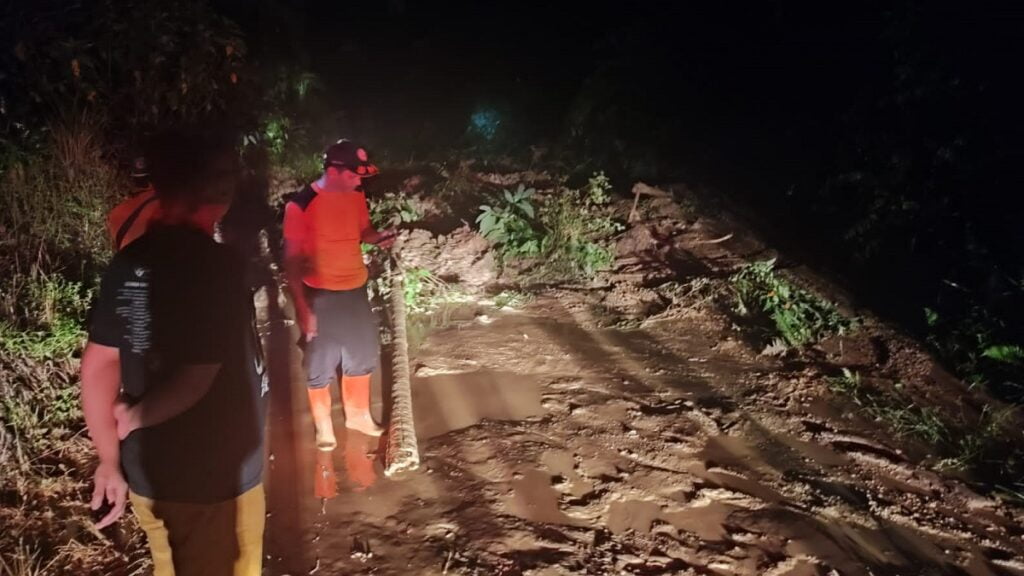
(355, 394)
(325, 480)
(359, 462)
(320, 406)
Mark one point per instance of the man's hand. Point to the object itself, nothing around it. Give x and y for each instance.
(110, 487)
(386, 238)
(307, 323)
(127, 419)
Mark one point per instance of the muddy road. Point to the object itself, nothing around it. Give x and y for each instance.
(555, 444)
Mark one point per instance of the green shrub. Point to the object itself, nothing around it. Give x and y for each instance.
(567, 232)
(509, 224)
(579, 229)
(392, 209)
(972, 344)
(45, 319)
(53, 207)
(797, 317)
(56, 199)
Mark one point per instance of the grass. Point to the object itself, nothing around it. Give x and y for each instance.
(62, 194)
(795, 317)
(24, 562)
(53, 205)
(985, 445)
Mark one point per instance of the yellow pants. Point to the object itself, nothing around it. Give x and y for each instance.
(223, 539)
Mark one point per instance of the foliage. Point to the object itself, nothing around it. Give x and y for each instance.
(61, 193)
(288, 109)
(41, 413)
(425, 293)
(511, 299)
(578, 230)
(971, 342)
(43, 314)
(984, 444)
(599, 189)
(1005, 353)
(509, 223)
(392, 209)
(62, 339)
(797, 316)
(144, 65)
(568, 232)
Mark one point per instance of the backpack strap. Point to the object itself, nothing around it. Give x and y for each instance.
(127, 225)
(303, 197)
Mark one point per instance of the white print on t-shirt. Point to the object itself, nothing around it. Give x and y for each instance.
(133, 309)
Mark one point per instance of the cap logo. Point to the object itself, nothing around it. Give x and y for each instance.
(361, 154)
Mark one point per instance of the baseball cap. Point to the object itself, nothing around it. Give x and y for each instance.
(351, 156)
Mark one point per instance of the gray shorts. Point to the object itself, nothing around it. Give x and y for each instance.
(347, 336)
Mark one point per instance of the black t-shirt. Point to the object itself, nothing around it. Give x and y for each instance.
(175, 297)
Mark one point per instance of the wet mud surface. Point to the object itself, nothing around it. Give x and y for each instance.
(553, 445)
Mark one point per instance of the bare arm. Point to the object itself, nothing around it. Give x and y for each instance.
(371, 235)
(295, 264)
(294, 268)
(168, 399)
(101, 383)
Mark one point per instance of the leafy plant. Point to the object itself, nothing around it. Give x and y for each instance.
(579, 229)
(569, 232)
(59, 195)
(910, 420)
(981, 441)
(848, 384)
(599, 189)
(1005, 353)
(425, 293)
(972, 343)
(392, 209)
(508, 223)
(798, 317)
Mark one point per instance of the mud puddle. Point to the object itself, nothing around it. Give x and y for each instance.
(446, 402)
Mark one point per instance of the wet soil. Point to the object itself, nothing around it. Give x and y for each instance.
(629, 426)
(553, 445)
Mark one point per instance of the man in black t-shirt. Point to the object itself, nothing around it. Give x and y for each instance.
(171, 390)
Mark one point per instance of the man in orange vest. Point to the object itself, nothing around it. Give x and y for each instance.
(129, 219)
(324, 227)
